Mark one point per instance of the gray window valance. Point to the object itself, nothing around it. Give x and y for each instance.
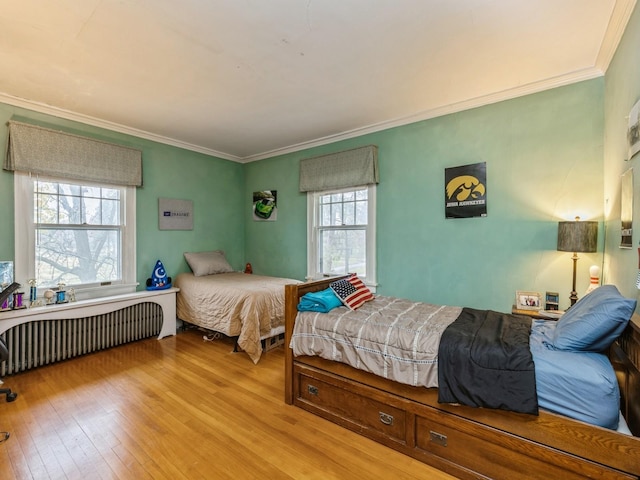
(43, 151)
(349, 168)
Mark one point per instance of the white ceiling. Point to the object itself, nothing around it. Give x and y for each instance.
(248, 79)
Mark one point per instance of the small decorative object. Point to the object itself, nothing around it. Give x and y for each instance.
(6, 295)
(248, 268)
(577, 237)
(61, 294)
(17, 300)
(527, 300)
(552, 301)
(159, 279)
(48, 296)
(72, 294)
(594, 278)
(33, 292)
(626, 209)
(5, 303)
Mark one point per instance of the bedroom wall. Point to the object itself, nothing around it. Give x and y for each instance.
(544, 164)
(169, 172)
(622, 90)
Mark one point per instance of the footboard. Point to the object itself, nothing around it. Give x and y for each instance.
(464, 441)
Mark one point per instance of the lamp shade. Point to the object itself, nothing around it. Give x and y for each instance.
(577, 236)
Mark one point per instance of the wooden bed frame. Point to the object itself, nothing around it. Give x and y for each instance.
(464, 441)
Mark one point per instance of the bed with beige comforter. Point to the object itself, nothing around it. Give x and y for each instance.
(250, 307)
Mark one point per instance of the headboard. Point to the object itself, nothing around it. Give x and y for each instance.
(625, 358)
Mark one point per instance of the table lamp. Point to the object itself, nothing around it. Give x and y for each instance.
(577, 237)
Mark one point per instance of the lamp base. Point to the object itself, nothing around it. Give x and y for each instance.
(573, 297)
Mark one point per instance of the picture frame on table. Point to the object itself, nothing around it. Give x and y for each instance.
(528, 300)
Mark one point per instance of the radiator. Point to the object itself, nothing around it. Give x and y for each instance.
(42, 342)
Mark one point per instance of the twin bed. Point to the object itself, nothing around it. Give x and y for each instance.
(580, 426)
(247, 307)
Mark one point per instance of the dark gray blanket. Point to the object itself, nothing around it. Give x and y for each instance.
(484, 361)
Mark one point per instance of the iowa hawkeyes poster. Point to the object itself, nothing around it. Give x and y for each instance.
(465, 191)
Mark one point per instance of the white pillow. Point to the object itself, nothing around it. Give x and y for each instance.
(207, 263)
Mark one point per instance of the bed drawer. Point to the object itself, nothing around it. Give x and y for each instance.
(327, 397)
(482, 449)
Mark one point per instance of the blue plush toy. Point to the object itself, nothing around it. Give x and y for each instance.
(159, 279)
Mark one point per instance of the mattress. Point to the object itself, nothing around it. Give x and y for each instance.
(249, 307)
(391, 337)
(580, 385)
(398, 339)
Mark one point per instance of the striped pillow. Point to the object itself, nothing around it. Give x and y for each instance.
(351, 291)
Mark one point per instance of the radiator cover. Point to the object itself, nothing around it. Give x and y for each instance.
(42, 342)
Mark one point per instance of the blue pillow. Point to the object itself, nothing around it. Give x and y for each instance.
(595, 321)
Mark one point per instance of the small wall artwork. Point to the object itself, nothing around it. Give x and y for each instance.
(626, 209)
(175, 214)
(633, 131)
(465, 191)
(265, 206)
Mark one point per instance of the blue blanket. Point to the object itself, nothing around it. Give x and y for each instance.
(322, 301)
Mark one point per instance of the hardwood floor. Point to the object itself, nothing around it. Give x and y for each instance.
(178, 408)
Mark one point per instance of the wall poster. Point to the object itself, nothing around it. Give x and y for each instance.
(626, 209)
(265, 206)
(465, 192)
(175, 214)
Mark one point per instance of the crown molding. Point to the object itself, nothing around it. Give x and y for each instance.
(107, 125)
(520, 91)
(622, 11)
(547, 84)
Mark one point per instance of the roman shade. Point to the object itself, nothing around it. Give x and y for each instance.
(349, 168)
(43, 151)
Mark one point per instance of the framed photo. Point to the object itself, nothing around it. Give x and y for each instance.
(527, 300)
(552, 300)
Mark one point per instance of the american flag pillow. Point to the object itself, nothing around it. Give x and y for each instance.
(351, 291)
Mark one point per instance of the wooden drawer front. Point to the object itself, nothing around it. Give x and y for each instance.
(480, 449)
(348, 408)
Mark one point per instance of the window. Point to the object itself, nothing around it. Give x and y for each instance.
(76, 233)
(341, 226)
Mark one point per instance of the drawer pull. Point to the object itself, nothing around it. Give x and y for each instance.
(438, 438)
(312, 390)
(386, 418)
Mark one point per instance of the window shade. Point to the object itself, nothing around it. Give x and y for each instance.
(349, 168)
(44, 151)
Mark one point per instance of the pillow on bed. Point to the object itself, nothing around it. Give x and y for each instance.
(351, 291)
(207, 263)
(595, 321)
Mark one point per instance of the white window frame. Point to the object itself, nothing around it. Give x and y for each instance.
(313, 212)
(24, 230)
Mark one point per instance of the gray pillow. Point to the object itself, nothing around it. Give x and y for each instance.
(207, 263)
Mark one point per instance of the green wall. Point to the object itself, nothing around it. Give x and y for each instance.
(544, 155)
(213, 184)
(622, 90)
(544, 164)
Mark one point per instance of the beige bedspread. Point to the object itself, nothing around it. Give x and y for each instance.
(391, 337)
(235, 304)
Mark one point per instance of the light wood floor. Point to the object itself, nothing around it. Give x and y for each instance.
(178, 408)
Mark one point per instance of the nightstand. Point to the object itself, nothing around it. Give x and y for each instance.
(538, 314)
